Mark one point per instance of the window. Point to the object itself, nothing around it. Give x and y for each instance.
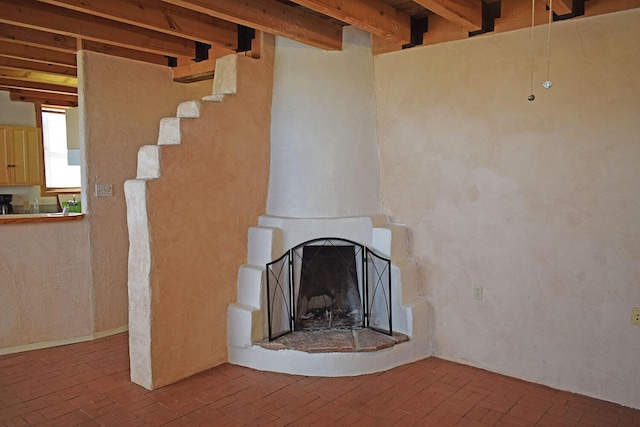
(59, 174)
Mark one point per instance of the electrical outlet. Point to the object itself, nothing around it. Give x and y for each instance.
(104, 190)
(635, 316)
(477, 291)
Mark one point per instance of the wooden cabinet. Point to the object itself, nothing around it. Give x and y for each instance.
(20, 156)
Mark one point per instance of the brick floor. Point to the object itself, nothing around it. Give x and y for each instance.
(88, 384)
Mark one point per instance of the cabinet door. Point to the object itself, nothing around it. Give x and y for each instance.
(5, 157)
(26, 156)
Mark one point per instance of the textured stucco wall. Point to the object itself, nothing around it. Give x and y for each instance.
(537, 201)
(45, 288)
(212, 188)
(122, 102)
(69, 280)
(323, 131)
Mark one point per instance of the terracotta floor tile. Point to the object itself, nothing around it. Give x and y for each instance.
(204, 414)
(456, 406)
(14, 411)
(157, 414)
(509, 419)
(308, 419)
(476, 413)
(72, 418)
(450, 420)
(552, 420)
(496, 405)
(491, 417)
(466, 422)
(289, 413)
(573, 414)
(332, 412)
(558, 409)
(16, 421)
(246, 413)
(54, 411)
(87, 384)
(475, 398)
(595, 420)
(33, 418)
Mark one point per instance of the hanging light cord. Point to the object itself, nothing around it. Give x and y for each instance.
(547, 84)
(531, 96)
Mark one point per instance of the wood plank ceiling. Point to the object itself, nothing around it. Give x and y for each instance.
(39, 38)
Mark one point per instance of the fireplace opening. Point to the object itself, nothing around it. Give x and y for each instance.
(328, 283)
(329, 295)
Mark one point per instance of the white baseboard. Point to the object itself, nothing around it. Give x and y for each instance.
(110, 332)
(64, 341)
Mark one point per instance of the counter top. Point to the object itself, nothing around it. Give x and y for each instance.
(45, 217)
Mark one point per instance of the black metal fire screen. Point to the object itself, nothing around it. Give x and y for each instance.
(329, 283)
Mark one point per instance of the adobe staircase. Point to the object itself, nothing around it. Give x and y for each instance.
(196, 193)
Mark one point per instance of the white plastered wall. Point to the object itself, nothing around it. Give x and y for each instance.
(324, 158)
(15, 113)
(536, 201)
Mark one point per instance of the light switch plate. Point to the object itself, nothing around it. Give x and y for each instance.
(477, 292)
(104, 190)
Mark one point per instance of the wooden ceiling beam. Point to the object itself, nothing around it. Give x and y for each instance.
(598, 7)
(465, 13)
(157, 16)
(123, 52)
(40, 16)
(562, 7)
(62, 43)
(22, 64)
(36, 38)
(44, 98)
(272, 17)
(37, 76)
(516, 14)
(13, 84)
(202, 70)
(374, 16)
(38, 54)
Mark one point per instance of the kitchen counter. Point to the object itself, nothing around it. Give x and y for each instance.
(33, 218)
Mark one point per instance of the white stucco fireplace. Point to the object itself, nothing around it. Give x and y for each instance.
(324, 181)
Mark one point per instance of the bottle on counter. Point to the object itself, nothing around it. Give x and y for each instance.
(73, 204)
(35, 206)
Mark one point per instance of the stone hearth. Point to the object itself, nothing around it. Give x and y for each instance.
(329, 341)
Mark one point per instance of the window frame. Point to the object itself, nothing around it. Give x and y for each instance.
(44, 190)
